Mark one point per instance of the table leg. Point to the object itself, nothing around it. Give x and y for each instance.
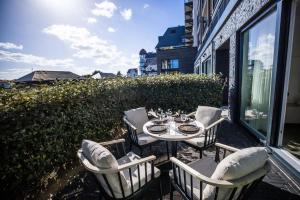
(174, 148)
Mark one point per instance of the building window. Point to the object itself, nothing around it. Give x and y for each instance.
(170, 64)
(258, 44)
(206, 67)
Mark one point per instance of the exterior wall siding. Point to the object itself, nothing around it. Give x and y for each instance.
(243, 12)
(186, 57)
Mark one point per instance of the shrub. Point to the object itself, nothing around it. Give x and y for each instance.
(42, 128)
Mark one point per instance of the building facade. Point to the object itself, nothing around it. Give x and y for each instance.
(148, 63)
(133, 72)
(174, 54)
(255, 45)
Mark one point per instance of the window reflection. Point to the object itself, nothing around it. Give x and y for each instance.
(258, 56)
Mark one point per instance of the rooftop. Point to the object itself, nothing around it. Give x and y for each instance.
(36, 76)
(173, 37)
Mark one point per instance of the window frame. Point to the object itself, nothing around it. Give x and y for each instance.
(259, 17)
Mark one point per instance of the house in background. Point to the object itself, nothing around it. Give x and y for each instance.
(5, 84)
(133, 72)
(174, 53)
(101, 75)
(148, 63)
(47, 77)
(256, 46)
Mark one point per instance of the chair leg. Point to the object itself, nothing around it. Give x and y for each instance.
(200, 153)
(130, 146)
(160, 190)
(171, 191)
(141, 151)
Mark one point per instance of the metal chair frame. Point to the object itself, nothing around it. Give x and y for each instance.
(179, 182)
(127, 166)
(210, 135)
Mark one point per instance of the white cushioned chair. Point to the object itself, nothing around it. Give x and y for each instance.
(233, 178)
(211, 118)
(124, 178)
(134, 120)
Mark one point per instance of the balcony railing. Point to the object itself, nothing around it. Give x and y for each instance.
(217, 15)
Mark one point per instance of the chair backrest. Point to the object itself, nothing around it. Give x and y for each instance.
(207, 115)
(245, 167)
(104, 165)
(138, 117)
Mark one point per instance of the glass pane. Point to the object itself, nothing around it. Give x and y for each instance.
(258, 55)
(174, 64)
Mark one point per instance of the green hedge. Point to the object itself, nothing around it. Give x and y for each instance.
(42, 128)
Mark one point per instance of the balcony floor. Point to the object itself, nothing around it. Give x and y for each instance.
(275, 185)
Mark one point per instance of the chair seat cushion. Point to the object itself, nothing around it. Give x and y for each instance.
(137, 117)
(129, 157)
(145, 139)
(198, 141)
(205, 166)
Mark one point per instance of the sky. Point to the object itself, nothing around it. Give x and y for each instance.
(81, 35)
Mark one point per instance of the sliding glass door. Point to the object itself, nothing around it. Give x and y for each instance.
(258, 44)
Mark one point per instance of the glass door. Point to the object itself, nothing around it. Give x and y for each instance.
(258, 45)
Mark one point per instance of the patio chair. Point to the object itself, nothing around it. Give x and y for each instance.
(211, 118)
(233, 178)
(125, 178)
(134, 120)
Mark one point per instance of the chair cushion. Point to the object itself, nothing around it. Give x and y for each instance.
(145, 139)
(207, 115)
(103, 159)
(205, 166)
(198, 141)
(236, 165)
(134, 172)
(99, 155)
(138, 117)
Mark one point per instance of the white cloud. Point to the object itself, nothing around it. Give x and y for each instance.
(264, 50)
(34, 60)
(8, 45)
(146, 5)
(91, 20)
(105, 8)
(106, 55)
(126, 14)
(111, 29)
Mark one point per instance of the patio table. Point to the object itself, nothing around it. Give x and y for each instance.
(173, 134)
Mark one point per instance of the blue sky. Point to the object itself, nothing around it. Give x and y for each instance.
(80, 35)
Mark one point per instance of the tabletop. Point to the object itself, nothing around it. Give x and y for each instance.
(173, 134)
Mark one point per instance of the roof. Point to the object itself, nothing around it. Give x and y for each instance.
(150, 55)
(143, 52)
(172, 37)
(48, 76)
(132, 69)
(99, 74)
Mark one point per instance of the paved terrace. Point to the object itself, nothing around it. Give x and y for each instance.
(275, 186)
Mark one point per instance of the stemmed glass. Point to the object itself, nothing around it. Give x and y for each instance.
(169, 114)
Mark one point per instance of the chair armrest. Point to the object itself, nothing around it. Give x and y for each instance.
(215, 123)
(201, 177)
(229, 148)
(112, 142)
(191, 114)
(136, 162)
(129, 124)
(86, 163)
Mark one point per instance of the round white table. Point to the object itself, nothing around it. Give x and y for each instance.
(173, 134)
